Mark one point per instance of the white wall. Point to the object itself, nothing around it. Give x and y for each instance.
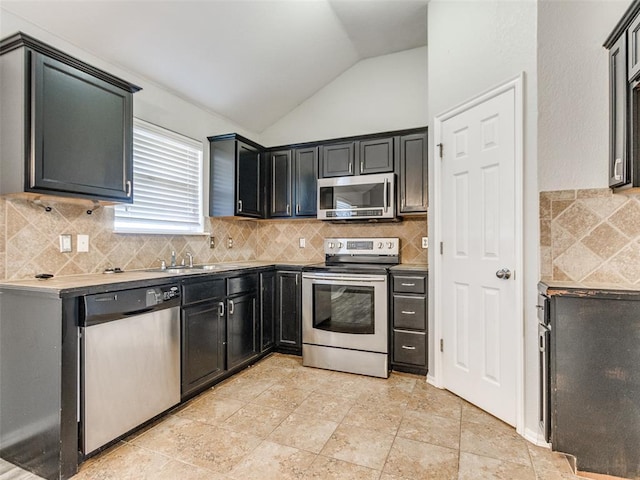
(375, 95)
(573, 106)
(474, 46)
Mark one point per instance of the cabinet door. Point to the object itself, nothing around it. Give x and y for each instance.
(202, 345)
(281, 179)
(248, 202)
(81, 133)
(242, 341)
(306, 181)
(376, 156)
(338, 159)
(633, 45)
(618, 159)
(289, 335)
(413, 180)
(267, 309)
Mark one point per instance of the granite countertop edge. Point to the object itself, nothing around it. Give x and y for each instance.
(554, 287)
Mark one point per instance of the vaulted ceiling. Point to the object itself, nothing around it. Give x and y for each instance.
(250, 61)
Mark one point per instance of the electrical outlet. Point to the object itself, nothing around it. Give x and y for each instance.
(212, 242)
(302, 242)
(425, 242)
(230, 242)
(65, 243)
(82, 242)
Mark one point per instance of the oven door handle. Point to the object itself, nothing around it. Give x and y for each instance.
(344, 278)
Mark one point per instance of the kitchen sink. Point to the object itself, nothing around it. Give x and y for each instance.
(195, 269)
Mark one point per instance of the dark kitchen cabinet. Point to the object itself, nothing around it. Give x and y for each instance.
(267, 310)
(243, 327)
(338, 159)
(67, 126)
(359, 157)
(289, 312)
(409, 321)
(413, 174)
(294, 180)
(203, 334)
(624, 94)
(305, 174)
(595, 380)
(375, 156)
(236, 177)
(281, 183)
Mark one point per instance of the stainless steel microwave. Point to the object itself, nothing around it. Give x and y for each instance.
(358, 197)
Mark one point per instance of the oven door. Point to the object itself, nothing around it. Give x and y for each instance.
(345, 311)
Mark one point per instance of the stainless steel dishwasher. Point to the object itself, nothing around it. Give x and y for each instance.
(130, 360)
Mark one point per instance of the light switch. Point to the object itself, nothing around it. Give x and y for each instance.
(302, 242)
(65, 243)
(83, 243)
(425, 242)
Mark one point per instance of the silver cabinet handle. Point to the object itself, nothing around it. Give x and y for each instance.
(221, 309)
(297, 209)
(503, 274)
(128, 188)
(408, 284)
(407, 347)
(617, 167)
(361, 166)
(405, 312)
(231, 307)
(239, 205)
(350, 167)
(288, 209)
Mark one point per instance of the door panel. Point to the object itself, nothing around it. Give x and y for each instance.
(478, 233)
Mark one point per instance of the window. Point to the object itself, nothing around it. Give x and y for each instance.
(167, 179)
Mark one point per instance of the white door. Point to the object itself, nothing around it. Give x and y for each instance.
(479, 314)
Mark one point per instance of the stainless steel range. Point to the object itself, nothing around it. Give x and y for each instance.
(345, 306)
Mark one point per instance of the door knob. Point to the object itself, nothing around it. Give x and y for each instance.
(503, 273)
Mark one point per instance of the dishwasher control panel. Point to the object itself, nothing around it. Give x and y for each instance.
(103, 307)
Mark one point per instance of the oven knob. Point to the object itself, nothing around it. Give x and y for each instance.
(339, 244)
(380, 245)
(389, 245)
(331, 244)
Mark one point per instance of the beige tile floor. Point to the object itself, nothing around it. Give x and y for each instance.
(280, 420)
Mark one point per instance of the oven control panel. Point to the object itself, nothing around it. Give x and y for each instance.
(362, 246)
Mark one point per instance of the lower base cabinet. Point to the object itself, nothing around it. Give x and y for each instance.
(409, 322)
(220, 329)
(289, 312)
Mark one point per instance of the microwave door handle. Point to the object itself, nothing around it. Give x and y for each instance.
(385, 194)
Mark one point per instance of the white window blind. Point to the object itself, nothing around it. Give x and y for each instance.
(167, 184)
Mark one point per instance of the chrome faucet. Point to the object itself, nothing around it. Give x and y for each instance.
(173, 258)
(190, 255)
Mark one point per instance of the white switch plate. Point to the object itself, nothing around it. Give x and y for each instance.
(302, 242)
(425, 242)
(65, 243)
(83, 243)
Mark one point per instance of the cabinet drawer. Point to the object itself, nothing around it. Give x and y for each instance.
(244, 283)
(198, 292)
(410, 347)
(409, 312)
(409, 284)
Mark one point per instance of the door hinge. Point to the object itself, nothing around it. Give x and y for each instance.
(441, 247)
(440, 147)
(441, 345)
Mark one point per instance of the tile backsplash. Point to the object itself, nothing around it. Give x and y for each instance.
(29, 240)
(590, 236)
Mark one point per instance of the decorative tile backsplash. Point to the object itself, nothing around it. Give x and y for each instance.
(590, 236)
(29, 240)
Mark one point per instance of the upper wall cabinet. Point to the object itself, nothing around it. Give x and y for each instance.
(236, 177)
(413, 179)
(624, 100)
(359, 157)
(67, 127)
(294, 180)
